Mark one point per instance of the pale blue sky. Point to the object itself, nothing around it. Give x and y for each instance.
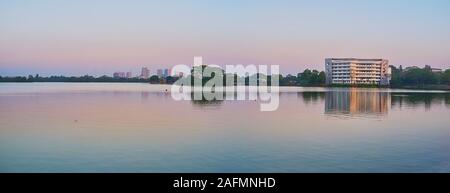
(98, 37)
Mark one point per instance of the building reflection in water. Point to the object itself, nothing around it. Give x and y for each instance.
(354, 102)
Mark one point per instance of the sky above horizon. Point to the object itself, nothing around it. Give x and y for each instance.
(97, 37)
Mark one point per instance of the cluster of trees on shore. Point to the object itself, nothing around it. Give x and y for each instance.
(153, 79)
(307, 78)
(415, 76)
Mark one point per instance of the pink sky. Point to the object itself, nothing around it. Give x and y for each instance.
(101, 37)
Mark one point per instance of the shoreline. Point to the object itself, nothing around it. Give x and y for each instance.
(408, 87)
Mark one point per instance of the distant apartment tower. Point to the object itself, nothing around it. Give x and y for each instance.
(119, 75)
(163, 73)
(159, 72)
(357, 71)
(145, 73)
(129, 75)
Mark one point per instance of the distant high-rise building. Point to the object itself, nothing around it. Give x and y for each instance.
(145, 73)
(163, 72)
(129, 75)
(119, 75)
(159, 72)
(357, 71)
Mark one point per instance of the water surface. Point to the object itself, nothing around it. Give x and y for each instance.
(131, 127)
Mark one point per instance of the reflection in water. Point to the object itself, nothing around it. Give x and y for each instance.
(357, 102)
(419, 99)
(145, 95)
(204, 103)
(63, 127)
(311, 97)
(207, 103)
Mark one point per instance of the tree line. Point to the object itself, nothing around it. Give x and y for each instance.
(415, 76)
(410, 77)
(153, 79)
(307, 78)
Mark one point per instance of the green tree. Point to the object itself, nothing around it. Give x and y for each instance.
(154, 79)
(311, 78)
(445, 77)
(396, 75)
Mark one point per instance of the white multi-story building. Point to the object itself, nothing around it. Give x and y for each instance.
(357, 71)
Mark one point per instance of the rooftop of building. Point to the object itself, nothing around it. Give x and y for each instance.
(358, 59)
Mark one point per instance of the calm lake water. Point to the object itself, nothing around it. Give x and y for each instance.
(106, 127)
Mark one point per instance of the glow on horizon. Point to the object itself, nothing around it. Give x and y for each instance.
(99, 37)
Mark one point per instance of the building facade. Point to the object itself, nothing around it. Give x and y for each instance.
(145, 73)
(436, 70)
(129, 75)
(119, 75)
(357, 71)
(163, 73)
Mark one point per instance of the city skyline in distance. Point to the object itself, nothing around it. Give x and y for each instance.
(101, 37)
